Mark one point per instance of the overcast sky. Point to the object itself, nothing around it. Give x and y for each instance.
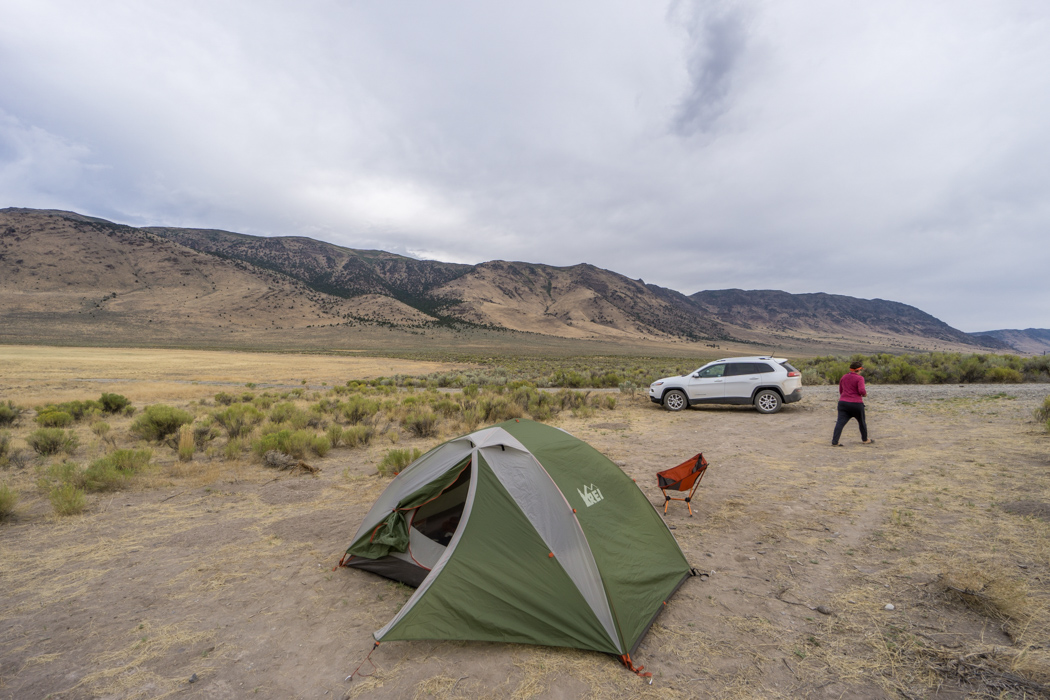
(894, 150)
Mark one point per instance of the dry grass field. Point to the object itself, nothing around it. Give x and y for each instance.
(213, 577)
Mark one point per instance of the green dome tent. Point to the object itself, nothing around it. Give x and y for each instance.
(521, 533)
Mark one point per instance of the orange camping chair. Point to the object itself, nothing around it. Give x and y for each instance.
(685, 477)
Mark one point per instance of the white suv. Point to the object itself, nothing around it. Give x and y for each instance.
(767, 383)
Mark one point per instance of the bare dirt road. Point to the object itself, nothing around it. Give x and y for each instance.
(221, 584)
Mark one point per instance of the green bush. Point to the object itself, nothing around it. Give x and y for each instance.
(103, 475)
(335, 435)
(8, 499)
(294, 443)
(9, 413)
(113, 403)
(67, 499)
(223, 399)
(358, 435)
(100, 428)
(53, 418)
(1003, 375)
(5, 446)
(239, 419)
(357, 408)
(395, 460)
(421, 424)
(320, 445)
(233, 449)
(1042, 413)
(494, 409)
(160, 421)
(289, 413)
(49, 441)
(130, 461)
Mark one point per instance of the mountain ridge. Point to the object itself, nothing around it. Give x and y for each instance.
(215, 283)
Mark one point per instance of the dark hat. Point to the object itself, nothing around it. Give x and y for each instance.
(856, 365)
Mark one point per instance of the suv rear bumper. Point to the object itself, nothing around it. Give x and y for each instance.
(794, 396)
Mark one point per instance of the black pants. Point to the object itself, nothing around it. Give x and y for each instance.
(847, 410)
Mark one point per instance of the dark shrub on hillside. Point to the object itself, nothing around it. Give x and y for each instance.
(160, 421)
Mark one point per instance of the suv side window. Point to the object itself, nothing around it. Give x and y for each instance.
(761, 368)
(735, 369)
(712, 371)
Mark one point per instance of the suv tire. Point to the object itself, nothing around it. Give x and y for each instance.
(767, 401)
(675, 400)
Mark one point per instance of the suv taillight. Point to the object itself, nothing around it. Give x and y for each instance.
(794, 374)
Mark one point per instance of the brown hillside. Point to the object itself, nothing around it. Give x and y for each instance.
(581, 301)
(61, 272)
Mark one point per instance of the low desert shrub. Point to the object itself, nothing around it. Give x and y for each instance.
(5, 447)
(1042, 414)
(288, 412)
(101, 428)
(67, 499)
(233, 449)
(320, 445)
(395, 460)
(358, 408)
(19, 459)
(131, 460)
(239, 419)
(113, 403)
(224, 399)
(1003, 375)
(103, 475)
(119, 466)
(358, 435)
(8, 499)
(160, 421)
(421, 424)
(9, 413)
(49, 441)
(290, 442)
(53, 418)
(494, 409)
(335, 435)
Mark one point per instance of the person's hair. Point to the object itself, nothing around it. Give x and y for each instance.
(856, 365)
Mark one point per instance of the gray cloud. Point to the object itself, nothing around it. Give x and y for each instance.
(895, 151)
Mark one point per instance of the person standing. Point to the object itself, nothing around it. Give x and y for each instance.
(851, 403)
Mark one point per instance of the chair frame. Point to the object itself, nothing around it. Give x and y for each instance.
(698, 459)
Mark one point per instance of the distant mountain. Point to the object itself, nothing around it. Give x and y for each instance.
(65, 277)
(771, 311)
(1030, 341)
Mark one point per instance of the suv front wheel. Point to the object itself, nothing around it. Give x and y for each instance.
(675, 400)
(767, 401)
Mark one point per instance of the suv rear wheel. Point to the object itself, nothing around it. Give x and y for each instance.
(675, 400)
(768, 401)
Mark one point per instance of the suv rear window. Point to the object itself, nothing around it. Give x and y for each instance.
(788, 367)
(735, 369)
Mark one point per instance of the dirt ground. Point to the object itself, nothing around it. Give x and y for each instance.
(218, 582)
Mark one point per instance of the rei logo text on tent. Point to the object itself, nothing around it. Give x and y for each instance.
(590, 495)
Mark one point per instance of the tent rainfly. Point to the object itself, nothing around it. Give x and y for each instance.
(521, 533)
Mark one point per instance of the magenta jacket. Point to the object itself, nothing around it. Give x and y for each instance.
(851, 388)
